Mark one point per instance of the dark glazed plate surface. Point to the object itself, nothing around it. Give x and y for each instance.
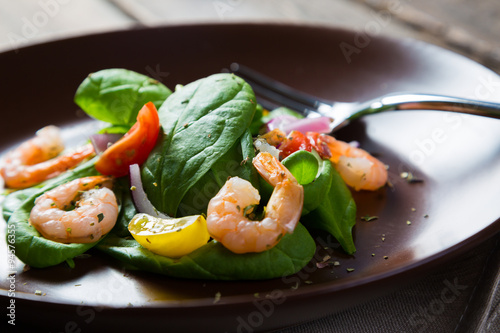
(452, 210)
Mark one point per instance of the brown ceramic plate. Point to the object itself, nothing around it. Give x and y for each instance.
(453, 209)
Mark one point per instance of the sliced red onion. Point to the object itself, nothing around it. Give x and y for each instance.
(280, 122)
(140, 197)
(101, 142)
(289, 123)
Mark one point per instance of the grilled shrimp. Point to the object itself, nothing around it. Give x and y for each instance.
(227, 212)
(80, 211)
(357, 167)
(37, 160)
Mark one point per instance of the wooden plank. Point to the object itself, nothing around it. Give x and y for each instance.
(470, 28)
(349, 14)
(467, 27)
(343, 13)
(23, 22)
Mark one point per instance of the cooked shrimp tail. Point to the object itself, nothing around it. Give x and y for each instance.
(357, 167)
(80, 211)
(271, 169)
(227, 218)
(37, 160)
(286, 188)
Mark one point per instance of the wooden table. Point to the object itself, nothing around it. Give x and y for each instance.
(467, 27)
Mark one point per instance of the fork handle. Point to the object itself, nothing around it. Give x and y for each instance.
(431, 102)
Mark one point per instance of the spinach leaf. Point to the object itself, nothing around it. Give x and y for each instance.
(236, 162)
(116, 95)
(303, 165)
(31, 247)
(328, 204)
(314, 174)
(201, 122)
(115, 129)
(14, 200)
(257, 122)
(214, 262)
(336, 214)
(281, 111)
(121, 188)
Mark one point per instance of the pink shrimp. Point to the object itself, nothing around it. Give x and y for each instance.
(37, 160)
(94, 215)
(357, 167)
(226, 218)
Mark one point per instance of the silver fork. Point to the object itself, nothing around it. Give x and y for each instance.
(276, 93)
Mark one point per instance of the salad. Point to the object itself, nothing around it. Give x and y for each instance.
(198, 183)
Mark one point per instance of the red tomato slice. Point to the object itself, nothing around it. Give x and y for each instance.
(319, 144)
(295, 141)
(134, 147)
(298, 141)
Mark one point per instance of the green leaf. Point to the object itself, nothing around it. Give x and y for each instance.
(281, 111)
(14, 200)
(201, 122)
(317, 191)
(115, 129)
(31, 247)
(236, 162)
(336, 214)
(257, 120)
(121, 189)
(214, 262)
(303, 165)
(116, 95)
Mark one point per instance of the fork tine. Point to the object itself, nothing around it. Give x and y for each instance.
(271, 99)
(269, 104)
(275, 91)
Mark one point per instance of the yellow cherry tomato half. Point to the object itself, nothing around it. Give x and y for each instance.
(172, 238)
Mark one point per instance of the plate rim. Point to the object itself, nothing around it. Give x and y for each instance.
(314, 290)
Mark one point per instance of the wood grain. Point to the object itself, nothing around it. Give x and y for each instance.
(23, 22)
(464, 26)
